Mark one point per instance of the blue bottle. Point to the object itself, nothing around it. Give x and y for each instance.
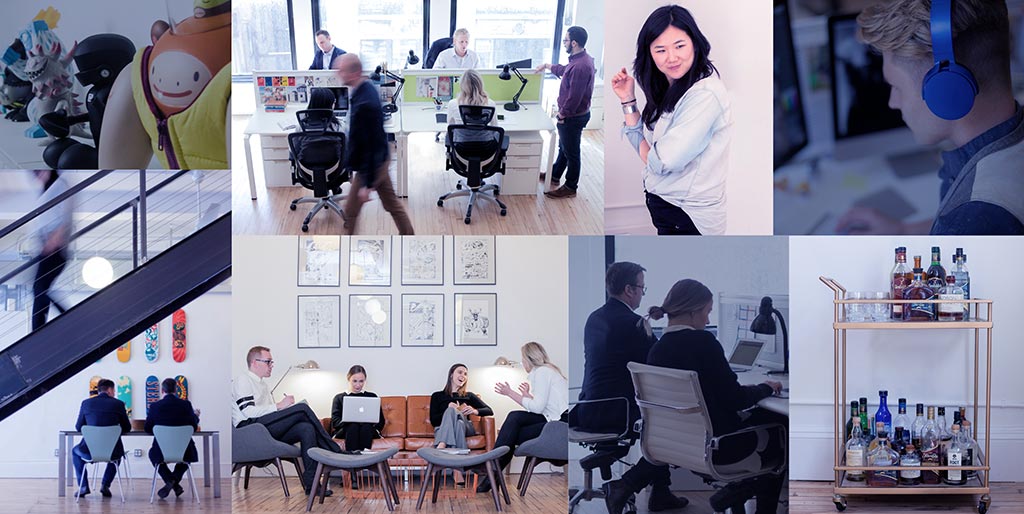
(883, 415)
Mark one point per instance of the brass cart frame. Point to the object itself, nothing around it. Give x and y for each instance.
(979, 320)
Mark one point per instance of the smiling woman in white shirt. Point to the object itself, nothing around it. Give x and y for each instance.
(545, 396)
(682, 133)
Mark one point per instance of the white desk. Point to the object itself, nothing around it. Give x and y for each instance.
(773, 403)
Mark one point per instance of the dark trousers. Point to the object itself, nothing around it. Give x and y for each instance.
(669, 219)
(298, 424)
(48, 271)
(520, 426)
(767, 488)
(359, 436)
(570, 134)
(79, 454)
(172, 477)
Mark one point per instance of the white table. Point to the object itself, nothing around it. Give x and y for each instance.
(758, 375)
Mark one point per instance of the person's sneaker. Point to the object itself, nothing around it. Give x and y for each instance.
(164, 491)
(615, 496)
(484, 486)
(105, 491)
(561, 192)
(663, 499)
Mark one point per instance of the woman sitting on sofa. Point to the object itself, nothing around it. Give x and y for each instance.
(451, 407)
(357, 436)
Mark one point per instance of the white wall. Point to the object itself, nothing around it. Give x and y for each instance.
(82, 19)
(532, 298)
(740, 51)
(930, 367)
(31, 433)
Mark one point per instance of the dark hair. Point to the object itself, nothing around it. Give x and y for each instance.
(356, 369)
(662, 98)
(169, 386)
(254, 354)
(577, 34)
(686, 296)
(322, 32)
(620, 275)
(448, 383)
(104, 384)
(321, 98)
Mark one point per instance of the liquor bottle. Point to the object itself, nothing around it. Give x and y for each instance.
(969, 443)
(918, 290)
(883, 415)
(955, 457)
(897, 442)
(944, 432)
(880, 430)
(854, 420)
(910, 458)
(951, 311)
(902, 421)
(959, 271)
(883, 456)
(900, 278)
(930, 449)
(965, 425)
(863, 414)
(915, 429)
(855, 451)
(936, 276)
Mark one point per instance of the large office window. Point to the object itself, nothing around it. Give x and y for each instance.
(503, 31)
(378, 30)
(261, 36)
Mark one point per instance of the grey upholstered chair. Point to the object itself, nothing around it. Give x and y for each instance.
(252, 446)
(552, 445)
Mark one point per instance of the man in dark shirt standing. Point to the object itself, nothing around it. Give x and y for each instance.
(367, 155)
(573, 109)
(613, 337)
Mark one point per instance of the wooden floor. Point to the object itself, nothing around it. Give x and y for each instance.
(699, 504)
(527, 214)
(39, 496)
(547, 494)
(816, 498)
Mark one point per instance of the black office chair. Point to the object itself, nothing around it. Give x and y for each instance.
(435, 50)
(475, 151)
(317, 156)
(608, 444)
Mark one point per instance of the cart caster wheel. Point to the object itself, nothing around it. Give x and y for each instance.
(458, 186)
(504, 212)
(292, 207)
(840, 502)
(305, 228)
(440, 203)
(982, 507)
(467, 220)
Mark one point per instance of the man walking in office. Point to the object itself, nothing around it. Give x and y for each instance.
(171, 411)
(614, 336)
(102, 410)
(285, 420)
(326, 53)
(367, 154)
(573, 109)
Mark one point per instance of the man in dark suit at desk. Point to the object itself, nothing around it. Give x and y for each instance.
(614, 336)
(102, 410)
(173, 412)
(326, 52)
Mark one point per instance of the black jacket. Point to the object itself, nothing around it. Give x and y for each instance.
(318, 58)
(338, 426)
(439, 403)
(103, 411)
(367, 142)
(173, 412)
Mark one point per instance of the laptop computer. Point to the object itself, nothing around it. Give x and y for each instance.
(360, 409)
(744, 355)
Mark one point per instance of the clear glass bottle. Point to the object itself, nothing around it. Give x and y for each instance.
(951, 311)
(899, 279)
(883, 456)
(897, 442)
(944, 432)
(936, 275)
(955, 457)
(918, 290)
(877, 438)
(930, 442)
(902, 420)
(959, 271)
(970, 445)
(915, 428)
(855, 451)
(910, 458)
(882, 415)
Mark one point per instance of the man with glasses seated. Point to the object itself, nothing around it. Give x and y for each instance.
(614, 336)
(286, 421)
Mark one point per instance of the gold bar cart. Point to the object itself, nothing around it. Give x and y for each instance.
(979, 320)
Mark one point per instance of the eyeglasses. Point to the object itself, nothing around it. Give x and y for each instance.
(268, 362)
(642, 288)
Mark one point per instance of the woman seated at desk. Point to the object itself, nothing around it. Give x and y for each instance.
(451, 407)
(358, 436)
(686, 345)
(471, 92)
(323, 98)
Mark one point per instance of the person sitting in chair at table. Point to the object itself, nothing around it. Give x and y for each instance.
(173, 412)
(686, 345)
(451, 407)
(323, 98)
(102, 410)
(326, 52)
(357, 436)
(471, 92)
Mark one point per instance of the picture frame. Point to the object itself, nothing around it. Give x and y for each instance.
(370, 261)
(476, 321)
(369, 321)
(319, 261)
(422, 260)
(318, 324)
(423, 320)
(474, 260)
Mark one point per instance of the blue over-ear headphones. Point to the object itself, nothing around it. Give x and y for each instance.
(948, 88)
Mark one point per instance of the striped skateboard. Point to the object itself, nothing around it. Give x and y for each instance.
(182, 386)
(94, 383)
(124, 352)
(153, 342)
(124, 393)
(178, 335)
(152, 391)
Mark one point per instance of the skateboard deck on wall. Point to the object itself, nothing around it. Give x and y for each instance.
(153, 342)
(152, 391)
(124, 352)
(182, 386)
(94, 383)
(178, 335)
(124, 393)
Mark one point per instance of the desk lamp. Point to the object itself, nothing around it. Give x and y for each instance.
(412, 59)
(764, 324)
(308, 365)
(504, 75)
(377, 76)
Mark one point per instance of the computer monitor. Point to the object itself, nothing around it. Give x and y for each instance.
(340, 99)
(523, 64)
(790, 125)
(862, 122)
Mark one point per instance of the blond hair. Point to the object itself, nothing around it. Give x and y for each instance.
(471, 89)
(460, 32)
(537, 356)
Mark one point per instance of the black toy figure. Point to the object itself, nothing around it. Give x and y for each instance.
(99, 59)
(15, 92)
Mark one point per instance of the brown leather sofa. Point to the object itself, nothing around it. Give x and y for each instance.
(407, 427)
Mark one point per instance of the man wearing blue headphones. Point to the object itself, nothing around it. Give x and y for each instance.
(948, 62)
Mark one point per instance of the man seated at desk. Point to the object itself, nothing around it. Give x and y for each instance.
(171, 411)
(102, 410)
(326, 52)
(982, 189)
(459, 56)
